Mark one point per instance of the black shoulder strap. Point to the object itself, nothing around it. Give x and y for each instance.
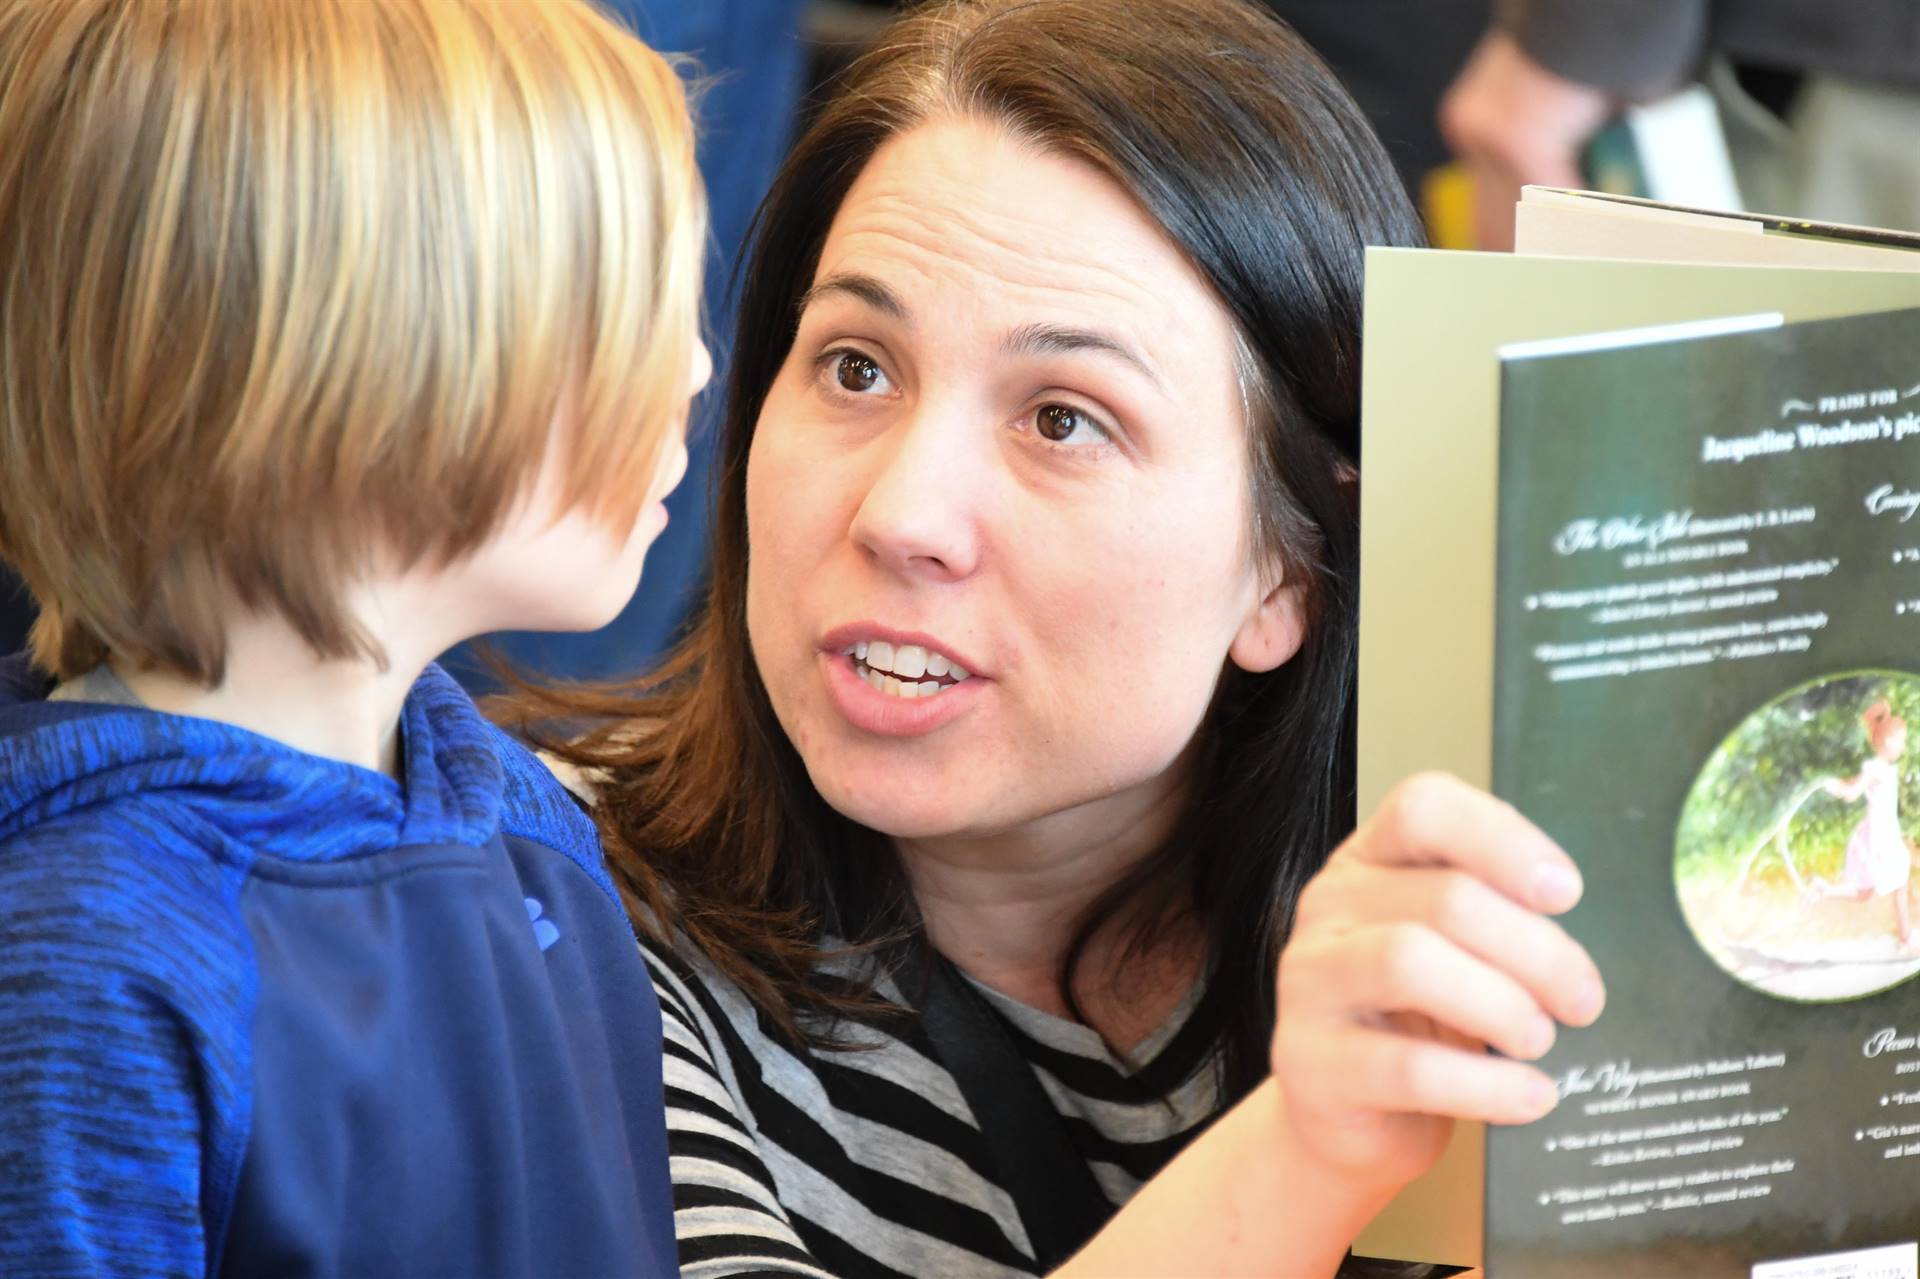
(1059, 1202)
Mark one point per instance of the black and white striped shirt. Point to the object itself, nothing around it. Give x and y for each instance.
(866, 1161)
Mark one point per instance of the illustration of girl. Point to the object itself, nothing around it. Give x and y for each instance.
(1879, 856)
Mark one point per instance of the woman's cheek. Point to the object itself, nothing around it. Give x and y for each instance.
(1138, 634)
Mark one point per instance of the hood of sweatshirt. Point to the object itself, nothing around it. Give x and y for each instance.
(57, 758)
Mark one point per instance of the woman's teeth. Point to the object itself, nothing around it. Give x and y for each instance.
(898, 670)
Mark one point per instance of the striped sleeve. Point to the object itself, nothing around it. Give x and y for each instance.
(727, 1217)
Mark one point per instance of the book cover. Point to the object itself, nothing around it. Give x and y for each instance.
(1429, 494)
(1707, 636)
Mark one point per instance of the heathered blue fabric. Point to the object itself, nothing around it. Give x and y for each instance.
(262, 1012)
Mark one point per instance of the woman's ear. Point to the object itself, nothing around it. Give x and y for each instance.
(1272, 633)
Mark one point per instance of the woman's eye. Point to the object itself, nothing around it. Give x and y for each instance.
(855, 373)
(1062, 423)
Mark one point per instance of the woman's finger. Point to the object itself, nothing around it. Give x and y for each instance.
(1410, 968)
(1361, 1069)
(1435, 820)
(1527, 947)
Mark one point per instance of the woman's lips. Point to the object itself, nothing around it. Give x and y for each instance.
(921, 650)
(889, 713)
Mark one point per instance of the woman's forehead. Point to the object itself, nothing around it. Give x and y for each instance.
(961, 216)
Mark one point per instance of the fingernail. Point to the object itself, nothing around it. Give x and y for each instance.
(1540, 1035)
(1556, 887)
(1588, 999)
(1542, 1096)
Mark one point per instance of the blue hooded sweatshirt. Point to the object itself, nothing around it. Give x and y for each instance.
(264, 1013)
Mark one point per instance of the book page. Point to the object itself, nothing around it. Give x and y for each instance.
(1597, 233)
(1708, 649)
(1553, 222)
(1429, 466)
(1636, 206)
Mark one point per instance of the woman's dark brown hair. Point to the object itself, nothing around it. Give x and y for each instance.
(1235, 138)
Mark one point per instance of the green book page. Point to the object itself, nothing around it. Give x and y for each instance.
(1708, 649)
(1429, 469)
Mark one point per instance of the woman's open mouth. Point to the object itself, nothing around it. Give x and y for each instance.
(904, 670)
(901, 686)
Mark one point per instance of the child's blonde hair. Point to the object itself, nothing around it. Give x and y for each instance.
(288, 283)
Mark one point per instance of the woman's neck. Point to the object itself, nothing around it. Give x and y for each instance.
(1005, 909)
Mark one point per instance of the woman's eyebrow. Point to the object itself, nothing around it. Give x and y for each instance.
(864, 288)
(1028, 339)
(1055, 339)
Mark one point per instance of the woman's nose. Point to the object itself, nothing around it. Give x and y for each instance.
(919, 516)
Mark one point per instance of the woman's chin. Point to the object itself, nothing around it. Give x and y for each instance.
(900, 814)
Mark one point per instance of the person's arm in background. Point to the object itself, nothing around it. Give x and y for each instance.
(1543, 81)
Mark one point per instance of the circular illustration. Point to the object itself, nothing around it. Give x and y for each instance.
(1794, 860)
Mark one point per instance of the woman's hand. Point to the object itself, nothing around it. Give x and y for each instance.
(1423, 942)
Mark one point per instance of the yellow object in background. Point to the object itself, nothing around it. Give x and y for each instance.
(1446, 203)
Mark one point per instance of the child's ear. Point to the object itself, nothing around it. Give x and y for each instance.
(1272, 632)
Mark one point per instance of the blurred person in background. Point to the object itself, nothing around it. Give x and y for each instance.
(1819, 101)
(1396, 57)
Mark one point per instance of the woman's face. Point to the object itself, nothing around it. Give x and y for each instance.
(1009, 437)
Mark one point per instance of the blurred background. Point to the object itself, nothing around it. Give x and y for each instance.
(1804, 110)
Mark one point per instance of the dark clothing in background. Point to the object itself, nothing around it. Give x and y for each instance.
(1819, 99)
(1642, 48)
(16, 612)
(1396, 57)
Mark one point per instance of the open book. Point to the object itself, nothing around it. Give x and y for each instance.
(1553, 222)
(1510, 409)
